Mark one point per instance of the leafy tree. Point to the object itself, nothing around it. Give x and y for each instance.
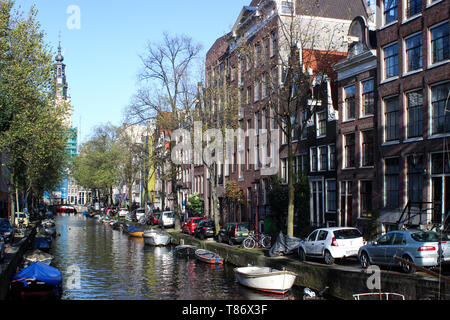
(32, 134)
(195, 204)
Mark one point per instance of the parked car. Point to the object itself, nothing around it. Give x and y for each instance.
(154, 219)
(6, 230)
(416, 246)
(167, 219)
(189, 226)
(331, 244)
(205, 229)
(131, 216)
(123, 212)
(2, 248)
(21, 218)
(139, 213)
(233, 233)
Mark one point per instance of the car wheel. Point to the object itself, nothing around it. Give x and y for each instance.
(301, 255)
(329, 260)
(364, 260)
(406, 267)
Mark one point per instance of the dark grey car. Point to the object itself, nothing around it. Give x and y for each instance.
(6, 230)
(415, 246)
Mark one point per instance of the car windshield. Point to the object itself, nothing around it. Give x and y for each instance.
(169, 214)
(347, 234)
(242, 228)
(140, 211)
(425, 236)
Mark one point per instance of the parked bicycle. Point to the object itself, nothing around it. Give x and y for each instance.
(257, 241)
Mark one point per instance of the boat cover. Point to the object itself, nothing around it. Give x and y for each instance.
(41, 243)
(40, 272)
(284, 245)
(135, 229)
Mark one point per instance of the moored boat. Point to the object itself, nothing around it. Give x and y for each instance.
(185, 250)
(134, 231)
(36, 255)
(42, 243)
(39, 281)
(208, 256)
(156, 238)
(265, 279)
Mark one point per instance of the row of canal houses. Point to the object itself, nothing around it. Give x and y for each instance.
(376, 145)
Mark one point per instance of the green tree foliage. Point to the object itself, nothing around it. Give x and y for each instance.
(32, 134)
(97, 164)
(195, 204)
(278, 196)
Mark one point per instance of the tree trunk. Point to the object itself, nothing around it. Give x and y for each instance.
(291, 192)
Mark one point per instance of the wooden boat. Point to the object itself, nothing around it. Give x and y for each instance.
(39, 281)
(156, 238)
(265, 279)
(134, 231)
(185, 250)
(36, 255)
(208, 256)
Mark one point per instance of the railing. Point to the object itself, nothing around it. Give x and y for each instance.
(410, 216)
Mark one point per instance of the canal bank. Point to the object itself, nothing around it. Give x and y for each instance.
(342, 281)
(13, 258)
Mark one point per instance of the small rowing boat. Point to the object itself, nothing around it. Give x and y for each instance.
(265, 279)
(208, 256)
(134, 231)
(185, 250)
(156, 238)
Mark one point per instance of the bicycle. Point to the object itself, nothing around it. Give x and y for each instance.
(257, 241)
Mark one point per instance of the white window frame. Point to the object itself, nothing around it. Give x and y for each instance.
(429, 62)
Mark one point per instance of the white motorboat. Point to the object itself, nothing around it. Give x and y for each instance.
(156, 238)
(265, 279)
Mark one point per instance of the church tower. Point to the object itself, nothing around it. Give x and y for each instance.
(62, 87)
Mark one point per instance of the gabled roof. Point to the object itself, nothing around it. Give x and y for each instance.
(337, 9)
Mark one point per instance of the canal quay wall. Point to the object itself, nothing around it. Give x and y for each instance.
(13, 258)
(342, 281)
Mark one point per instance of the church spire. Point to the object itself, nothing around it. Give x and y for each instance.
(61, 73)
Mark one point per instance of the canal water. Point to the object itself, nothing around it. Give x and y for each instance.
(99, 263)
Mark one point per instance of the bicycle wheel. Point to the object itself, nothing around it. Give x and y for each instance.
(266, 242)
(249, 243)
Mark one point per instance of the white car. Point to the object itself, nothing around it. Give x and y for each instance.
(140, 213)
(123, 212)
(331, 243)
(167, 219)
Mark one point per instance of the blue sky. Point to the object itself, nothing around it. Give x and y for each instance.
(102, 55)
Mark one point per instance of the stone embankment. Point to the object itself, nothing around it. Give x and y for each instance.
(342, 281)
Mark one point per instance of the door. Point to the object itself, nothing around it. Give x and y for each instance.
(378, 252)
(317, 203)
(346, 203)
(320, 242)
(396, 248)
(310, 243)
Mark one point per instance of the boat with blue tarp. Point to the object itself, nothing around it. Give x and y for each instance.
(39, 281)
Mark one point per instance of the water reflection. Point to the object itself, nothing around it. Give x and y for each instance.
(114, 266)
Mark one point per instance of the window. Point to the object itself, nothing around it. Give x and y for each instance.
(322, 235)
(441, 116)
(349, 150)
(350, 102)
(414, 53)
(367, 148)
(313, 159)
(249, 95)
(368, 97)
(391, 117)
(366, 199)
(414, 105)
(287, 7)
(438, 161)
(257, 90)
(392, 179)
(439, 43)
(391, 61)
(323, 156)
(390, 11)
(274, 44)
(413, 7)
(415, 178)
(331, 195)
(332, 156)
(321, 124)
(304, 129)
(284, 170)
